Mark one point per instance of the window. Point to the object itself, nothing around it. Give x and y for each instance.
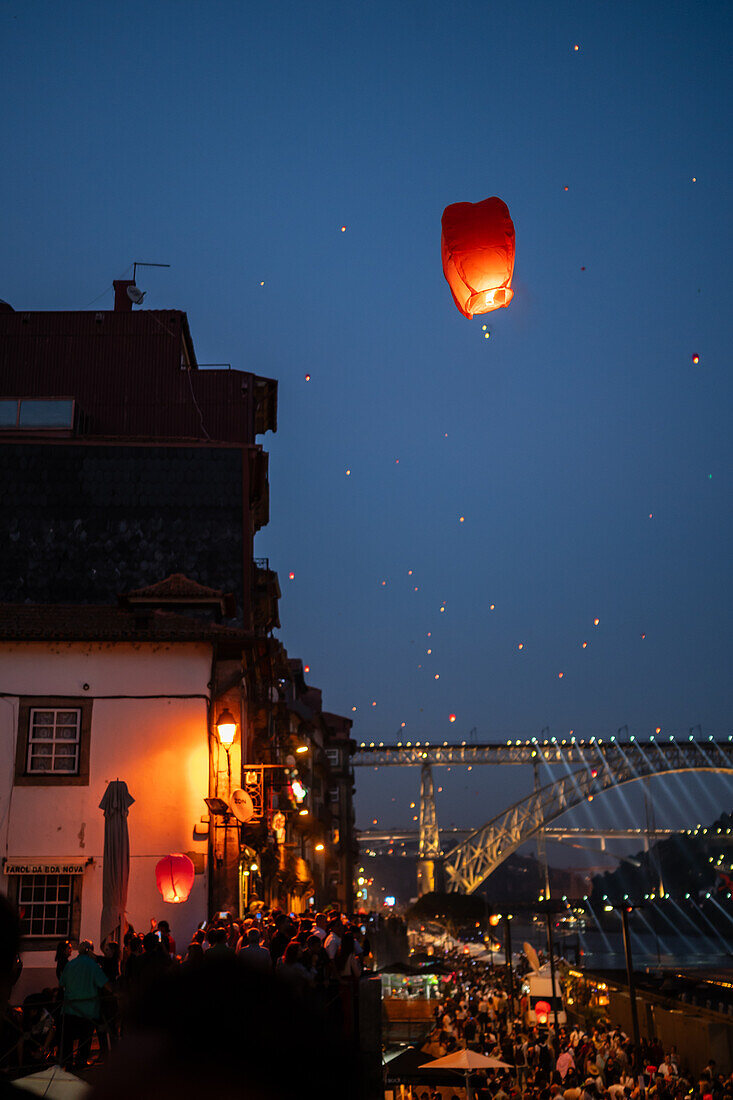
(334, 757)
(333, 794)
(49, 907)
(45, 902)
(53, 741)
(25, 413)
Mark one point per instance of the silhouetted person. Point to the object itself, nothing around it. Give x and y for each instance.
(224, 1029)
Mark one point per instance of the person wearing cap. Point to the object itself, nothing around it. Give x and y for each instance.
(82, 980)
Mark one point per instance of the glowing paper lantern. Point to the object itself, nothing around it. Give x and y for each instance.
(542, 1011)
(174, 875)
(477, 245)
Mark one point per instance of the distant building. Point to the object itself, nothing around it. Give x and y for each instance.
(131, 488)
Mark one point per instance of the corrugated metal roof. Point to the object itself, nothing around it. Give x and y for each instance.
(124, 370)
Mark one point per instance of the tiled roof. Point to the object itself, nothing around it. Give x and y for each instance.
(176, 587)
(92, 623)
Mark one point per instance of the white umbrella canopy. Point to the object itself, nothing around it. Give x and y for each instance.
(54, 1083)
(466, 1060)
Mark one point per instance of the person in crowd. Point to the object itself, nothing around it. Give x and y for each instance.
(253, 953)
(219, 941)
(63, 954)
(82, 981)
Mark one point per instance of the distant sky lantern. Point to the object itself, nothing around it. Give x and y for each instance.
(696, 359)
(451, 717)
(477, 245)
(174, 875)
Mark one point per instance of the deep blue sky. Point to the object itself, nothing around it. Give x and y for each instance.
(233, 140)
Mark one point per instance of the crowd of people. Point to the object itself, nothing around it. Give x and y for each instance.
(321, 953)
(553, 1062)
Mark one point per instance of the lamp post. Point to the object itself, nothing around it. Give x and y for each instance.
(630, 981)
(508, 959)
(226, 727)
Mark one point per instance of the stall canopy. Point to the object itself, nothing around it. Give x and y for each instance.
(405, 1069)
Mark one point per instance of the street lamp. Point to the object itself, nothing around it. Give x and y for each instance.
(226, 727)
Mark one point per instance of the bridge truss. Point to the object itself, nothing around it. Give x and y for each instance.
(598, 766)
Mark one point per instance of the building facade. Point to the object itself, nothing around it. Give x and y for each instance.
(133, 615)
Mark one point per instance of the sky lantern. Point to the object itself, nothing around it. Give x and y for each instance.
(477, 245)
(542, 1011)
(174, 875)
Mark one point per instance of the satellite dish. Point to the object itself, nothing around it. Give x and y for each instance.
(135, 294)
(241, 806)
(532, 958)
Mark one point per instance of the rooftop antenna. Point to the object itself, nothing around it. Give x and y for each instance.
(134, 293)
(139, 263)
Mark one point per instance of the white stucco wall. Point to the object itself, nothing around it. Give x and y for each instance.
(157, 746)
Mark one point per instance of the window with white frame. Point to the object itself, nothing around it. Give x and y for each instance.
(53, 741)
(334, 757)
(333, 794)
(45, 905)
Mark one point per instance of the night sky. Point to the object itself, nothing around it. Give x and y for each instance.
(291, 162)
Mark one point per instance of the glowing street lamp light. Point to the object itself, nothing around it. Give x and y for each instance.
(226, 727)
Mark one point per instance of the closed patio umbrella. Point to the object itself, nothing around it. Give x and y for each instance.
(116, 802)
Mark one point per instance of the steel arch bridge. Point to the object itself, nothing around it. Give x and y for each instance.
(604, 765)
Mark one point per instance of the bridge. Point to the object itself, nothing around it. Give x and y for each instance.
(593, 766)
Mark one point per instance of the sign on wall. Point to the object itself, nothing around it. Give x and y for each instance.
(44, 867)
(254, 787)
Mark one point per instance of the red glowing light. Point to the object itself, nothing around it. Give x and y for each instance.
(307, 378)
(696, 359)
(560, 675)
(306, 668)
(596, 622)
(451, 717)
(291, 576)
(521, 645)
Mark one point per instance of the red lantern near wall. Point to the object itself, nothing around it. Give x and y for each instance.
(542, 1011)
(477, 245)
(174, 875)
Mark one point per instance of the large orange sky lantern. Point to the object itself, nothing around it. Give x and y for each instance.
(477, 245)
(174, 875)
